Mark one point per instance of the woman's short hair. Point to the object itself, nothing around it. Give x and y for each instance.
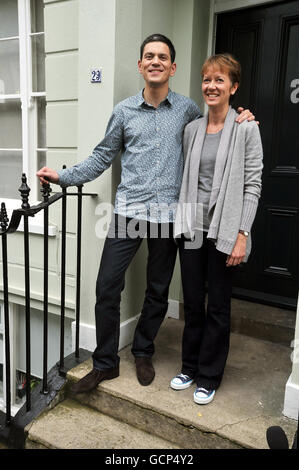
(225, 62)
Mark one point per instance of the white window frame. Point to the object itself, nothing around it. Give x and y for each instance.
(29, 110)
(28, 104)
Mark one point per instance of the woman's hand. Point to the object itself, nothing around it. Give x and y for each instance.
(238, 252)
(47, 175)
(245, 114)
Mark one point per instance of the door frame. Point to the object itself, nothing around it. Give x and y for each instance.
(227, 5)
(221, 6)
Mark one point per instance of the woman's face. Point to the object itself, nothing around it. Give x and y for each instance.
(217, 87)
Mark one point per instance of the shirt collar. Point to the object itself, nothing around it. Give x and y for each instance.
(169, 97)
(141, 100)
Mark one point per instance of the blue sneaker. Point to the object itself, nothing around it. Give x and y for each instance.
(202, 396)
(181, 381)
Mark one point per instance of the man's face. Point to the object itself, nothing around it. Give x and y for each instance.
(155, 65)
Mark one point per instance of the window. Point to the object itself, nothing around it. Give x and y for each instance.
(17, 377)
(22, 95)
(17, 333)
(17, 357)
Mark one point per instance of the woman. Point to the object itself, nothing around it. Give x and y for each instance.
(222, 180)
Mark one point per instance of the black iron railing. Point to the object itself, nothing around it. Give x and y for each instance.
(10, 226)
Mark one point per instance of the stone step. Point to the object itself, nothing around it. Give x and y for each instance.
(263, 321)
(72, 426)
(249, 400)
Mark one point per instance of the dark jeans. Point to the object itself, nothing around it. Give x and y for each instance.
(118, 253)
(206, 334)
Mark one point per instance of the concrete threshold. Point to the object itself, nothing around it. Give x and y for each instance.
(263, 321)
(249, 400)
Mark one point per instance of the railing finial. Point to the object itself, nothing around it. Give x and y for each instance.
(3, 217)
(24, 190)
(46, 190)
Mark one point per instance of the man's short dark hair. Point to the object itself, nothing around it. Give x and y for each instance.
(158, 38)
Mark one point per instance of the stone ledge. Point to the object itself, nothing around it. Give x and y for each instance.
(249, 400)
(72, 426)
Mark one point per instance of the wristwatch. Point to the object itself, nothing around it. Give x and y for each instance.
(246, 234)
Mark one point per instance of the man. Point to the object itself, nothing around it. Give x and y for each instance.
(148, 129)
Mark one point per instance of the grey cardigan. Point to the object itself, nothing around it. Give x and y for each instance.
(236, 182)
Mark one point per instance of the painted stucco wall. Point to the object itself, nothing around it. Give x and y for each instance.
(108, 35)
(61, 48)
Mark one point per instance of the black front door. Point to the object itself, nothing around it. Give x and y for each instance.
(266, 42)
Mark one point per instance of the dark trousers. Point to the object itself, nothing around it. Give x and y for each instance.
(118, 253)
(206, 333)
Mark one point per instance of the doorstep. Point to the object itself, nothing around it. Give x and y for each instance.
(249, 400)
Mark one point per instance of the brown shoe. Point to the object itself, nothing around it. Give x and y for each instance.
(93, 378)
(144, 369)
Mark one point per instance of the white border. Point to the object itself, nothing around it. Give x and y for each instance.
(127, 328)
(88, 334)
(291, 400)
(173, 309)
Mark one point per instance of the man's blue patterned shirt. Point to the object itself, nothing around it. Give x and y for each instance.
(150, 141)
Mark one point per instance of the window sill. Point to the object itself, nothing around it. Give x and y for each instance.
(36, 223)
(14, 408)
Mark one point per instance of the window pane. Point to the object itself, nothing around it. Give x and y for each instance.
(41, 162)
(9, 67)
(38, 63)
(37, 16)
(10, 124)
(10, 174)
(41, 122)
(41, 159)
(9, 18)
(20, 387)
(1, 362)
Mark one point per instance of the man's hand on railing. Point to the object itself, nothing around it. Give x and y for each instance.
(47, 175)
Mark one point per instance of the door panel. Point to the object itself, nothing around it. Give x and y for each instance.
(266, 42)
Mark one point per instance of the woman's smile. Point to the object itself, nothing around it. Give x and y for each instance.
(217, 86)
